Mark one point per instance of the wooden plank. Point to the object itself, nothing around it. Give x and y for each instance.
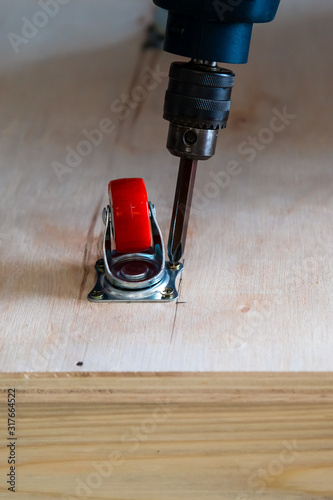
(257, 287)
(262, 436)
(145, 388)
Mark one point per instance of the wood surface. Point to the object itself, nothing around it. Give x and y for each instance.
(256, 293)
(146, 388)
(180, 436)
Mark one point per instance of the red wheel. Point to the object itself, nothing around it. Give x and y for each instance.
(130, 215)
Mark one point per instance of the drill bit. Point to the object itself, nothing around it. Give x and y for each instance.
(181, 209)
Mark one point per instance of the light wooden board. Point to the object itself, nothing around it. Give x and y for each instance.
(147, 388)
(213, 436)
(256, 292)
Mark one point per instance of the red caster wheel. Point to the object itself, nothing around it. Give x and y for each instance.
(130, 215)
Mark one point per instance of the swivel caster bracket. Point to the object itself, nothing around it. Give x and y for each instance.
(135, 276)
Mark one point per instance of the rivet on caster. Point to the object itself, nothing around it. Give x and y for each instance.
(133, 267)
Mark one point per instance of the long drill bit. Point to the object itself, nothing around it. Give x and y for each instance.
(181, 209)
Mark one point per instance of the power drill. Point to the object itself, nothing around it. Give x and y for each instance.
(197, 101)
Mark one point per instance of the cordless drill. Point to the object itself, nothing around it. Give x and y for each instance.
(197, 101)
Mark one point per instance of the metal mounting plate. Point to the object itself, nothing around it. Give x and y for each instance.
(164, 291)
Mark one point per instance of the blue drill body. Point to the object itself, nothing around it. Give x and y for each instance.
(214, 30)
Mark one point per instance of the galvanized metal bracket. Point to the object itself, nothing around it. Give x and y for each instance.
(164, 291)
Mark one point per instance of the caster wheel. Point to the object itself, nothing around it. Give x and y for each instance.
(130, 215)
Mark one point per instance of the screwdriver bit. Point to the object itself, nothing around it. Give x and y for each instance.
(181, 209)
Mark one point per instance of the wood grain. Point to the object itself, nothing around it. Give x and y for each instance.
(245, 437)
(230, 388)
(257, 287)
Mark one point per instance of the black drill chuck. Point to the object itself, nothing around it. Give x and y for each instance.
(197, 104)
(198, 95)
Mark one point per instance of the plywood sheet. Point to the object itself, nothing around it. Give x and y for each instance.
(256, 292)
